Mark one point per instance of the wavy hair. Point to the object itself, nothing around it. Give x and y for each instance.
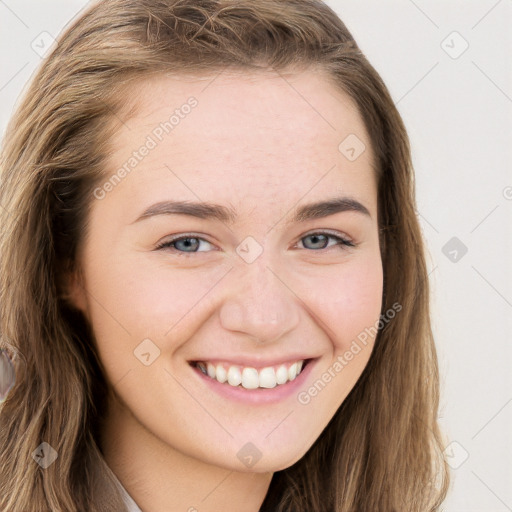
(382, 450)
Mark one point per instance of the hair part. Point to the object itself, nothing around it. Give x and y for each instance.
(382, 450)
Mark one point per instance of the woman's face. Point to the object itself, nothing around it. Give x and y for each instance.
(260, 278)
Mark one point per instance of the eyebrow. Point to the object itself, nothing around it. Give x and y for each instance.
(204, 210)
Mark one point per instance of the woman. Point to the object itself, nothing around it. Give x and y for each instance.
(213, 284)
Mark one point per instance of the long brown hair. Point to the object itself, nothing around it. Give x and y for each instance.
(382, 450)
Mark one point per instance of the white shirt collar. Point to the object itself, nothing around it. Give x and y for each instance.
(131, 506)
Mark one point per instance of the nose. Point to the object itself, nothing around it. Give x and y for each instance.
(260, 304)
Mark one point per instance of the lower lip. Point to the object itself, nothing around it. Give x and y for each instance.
(259, 395)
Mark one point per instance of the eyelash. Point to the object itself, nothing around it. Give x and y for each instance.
(341, 242)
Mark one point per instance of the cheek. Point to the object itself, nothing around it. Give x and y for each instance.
(347, 302)
(132, 300)
(160, 297)
(347, 305)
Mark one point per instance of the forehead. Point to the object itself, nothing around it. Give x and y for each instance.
(247, 135)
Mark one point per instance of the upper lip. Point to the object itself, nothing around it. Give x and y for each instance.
(253, 362)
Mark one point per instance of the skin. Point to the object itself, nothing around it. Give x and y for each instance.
(170, 439)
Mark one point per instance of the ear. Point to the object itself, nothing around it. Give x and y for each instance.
(71, 288)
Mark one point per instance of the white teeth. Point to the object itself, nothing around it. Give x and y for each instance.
(292, 371)
(211, 370)
(234, 376)
(250, 378)
(268, 378)
(282, 374)
(221, 374)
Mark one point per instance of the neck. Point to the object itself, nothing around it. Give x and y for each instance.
(160, 477)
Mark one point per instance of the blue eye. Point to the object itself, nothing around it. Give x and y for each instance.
(185, 244)
(319, 240)
(191, 244)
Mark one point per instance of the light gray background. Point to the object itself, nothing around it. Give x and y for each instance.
(457, 106)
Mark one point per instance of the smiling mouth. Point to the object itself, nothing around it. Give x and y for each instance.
(250, 378)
